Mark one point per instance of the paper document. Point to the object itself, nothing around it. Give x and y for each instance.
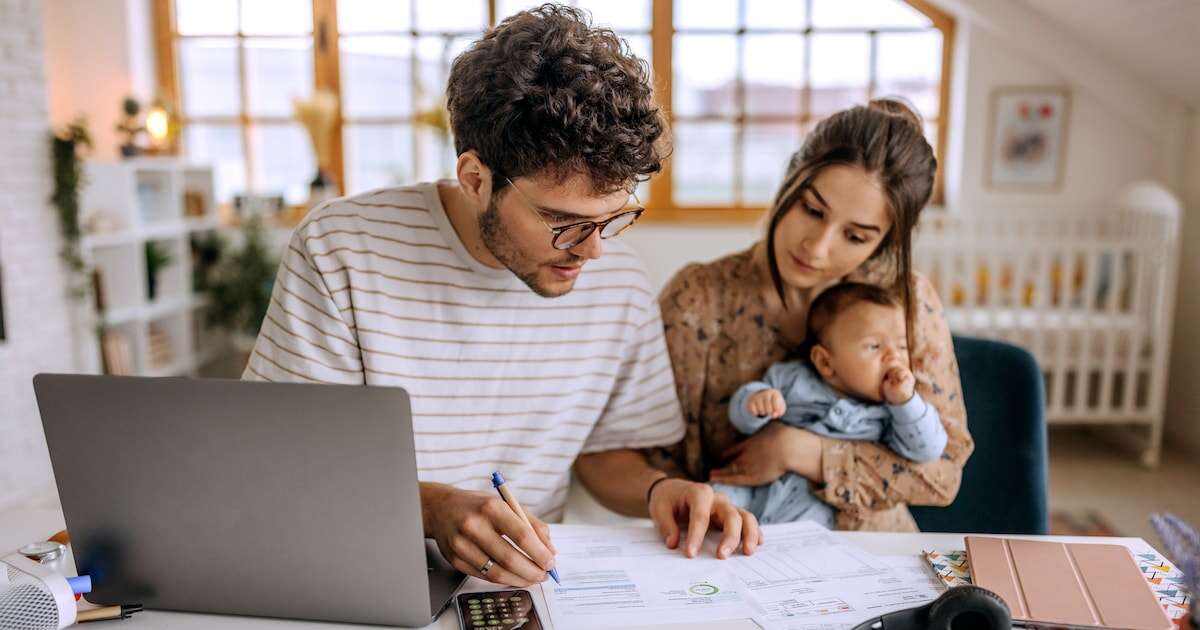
(614, 577)
(803, 577)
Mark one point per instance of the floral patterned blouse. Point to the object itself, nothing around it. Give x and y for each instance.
(718, 338)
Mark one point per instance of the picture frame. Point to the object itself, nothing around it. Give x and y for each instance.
(1027, 137)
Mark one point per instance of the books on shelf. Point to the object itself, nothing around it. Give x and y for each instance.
(116, 353)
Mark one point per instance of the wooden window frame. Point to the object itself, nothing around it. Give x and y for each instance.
(662, 205)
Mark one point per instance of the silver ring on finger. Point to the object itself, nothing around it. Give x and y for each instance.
(487, 566)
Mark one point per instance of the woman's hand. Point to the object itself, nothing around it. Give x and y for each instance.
(768, 454)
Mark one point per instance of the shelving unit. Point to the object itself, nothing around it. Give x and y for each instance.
(129, 204)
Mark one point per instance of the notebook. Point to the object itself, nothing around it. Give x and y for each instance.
(1082, 585)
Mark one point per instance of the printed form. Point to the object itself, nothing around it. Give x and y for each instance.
(804, 577)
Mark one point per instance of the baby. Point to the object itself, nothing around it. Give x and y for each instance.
(858, 386)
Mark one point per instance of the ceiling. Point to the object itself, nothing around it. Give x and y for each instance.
(1156, 40)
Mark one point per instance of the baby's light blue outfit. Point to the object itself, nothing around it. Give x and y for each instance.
(913, 430)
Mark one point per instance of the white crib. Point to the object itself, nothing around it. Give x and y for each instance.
(1089, 292)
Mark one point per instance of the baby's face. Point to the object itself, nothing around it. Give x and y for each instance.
(865, 342)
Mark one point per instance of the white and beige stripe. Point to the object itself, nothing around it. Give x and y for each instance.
(378, 290)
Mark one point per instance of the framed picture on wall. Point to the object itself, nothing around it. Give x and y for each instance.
(1028, 137)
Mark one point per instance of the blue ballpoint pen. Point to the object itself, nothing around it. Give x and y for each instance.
(511, 500)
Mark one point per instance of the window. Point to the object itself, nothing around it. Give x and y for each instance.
(744, 80)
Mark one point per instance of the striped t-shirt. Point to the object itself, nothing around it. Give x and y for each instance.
(378, 289)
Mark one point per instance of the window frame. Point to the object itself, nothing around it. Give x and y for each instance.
(661, 205)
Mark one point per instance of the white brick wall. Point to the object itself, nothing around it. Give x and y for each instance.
(35, 302)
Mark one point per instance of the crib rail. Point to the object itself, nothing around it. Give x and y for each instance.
(1088, 292)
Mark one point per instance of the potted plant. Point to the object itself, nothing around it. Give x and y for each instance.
(239, 286)
(66, 146)
(157, 258)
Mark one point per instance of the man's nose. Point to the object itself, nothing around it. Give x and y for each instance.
(590, 247)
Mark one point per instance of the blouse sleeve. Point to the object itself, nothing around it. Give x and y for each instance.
(869, 476)
(688, 328)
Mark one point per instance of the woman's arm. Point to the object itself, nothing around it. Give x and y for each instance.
(688, 327)
(869, 476)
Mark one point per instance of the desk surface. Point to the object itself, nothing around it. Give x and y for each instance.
(18, 527)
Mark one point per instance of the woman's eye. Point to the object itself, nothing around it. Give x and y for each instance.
(873, 347)
(856, 239)
(815, 212)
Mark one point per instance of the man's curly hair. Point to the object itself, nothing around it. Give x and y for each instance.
(545, 93)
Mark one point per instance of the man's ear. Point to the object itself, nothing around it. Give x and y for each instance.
(474, 178)
(821, 358)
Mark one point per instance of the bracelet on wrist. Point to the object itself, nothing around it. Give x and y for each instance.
(650, 490)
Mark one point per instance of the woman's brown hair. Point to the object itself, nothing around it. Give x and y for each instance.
(884, 138)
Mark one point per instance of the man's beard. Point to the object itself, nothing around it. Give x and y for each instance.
(499, 242)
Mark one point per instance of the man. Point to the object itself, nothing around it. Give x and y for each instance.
(488, 298)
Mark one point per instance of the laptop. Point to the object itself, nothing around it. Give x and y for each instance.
(246, 498)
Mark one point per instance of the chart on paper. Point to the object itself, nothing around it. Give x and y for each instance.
(803, 578)
(619, 577)
(804, 555)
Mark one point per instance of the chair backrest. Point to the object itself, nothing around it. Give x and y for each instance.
(1003, 487)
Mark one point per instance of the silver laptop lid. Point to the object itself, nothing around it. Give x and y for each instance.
(269, 499)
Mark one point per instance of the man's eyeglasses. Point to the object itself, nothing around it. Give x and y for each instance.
(569, 236)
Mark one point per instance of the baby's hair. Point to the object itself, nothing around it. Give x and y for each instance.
(836, 299)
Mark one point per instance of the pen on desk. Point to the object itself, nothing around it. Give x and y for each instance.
(108, 612)
(511, 500)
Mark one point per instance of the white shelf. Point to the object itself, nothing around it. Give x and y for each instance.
(158, 200)
(173, 229)
(151, 311)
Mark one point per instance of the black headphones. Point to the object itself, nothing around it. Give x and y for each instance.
(960, 608)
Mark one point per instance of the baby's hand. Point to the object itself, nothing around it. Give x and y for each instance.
(898, 384)
(767, 403)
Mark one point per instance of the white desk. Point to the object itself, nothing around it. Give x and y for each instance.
(18, 527)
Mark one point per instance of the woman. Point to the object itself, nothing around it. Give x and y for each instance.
(846, 211)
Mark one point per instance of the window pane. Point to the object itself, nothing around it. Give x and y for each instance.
(775, 14)
(619, 15)
(208, 71)
(376, 76)
(639, 45)
(705, 69)
(909, 65)
(507, 8)
(435, 55)
(774, 74)
(206, 17)
(218, 146)
(707, 14)
(277, 71)
(378, 155)
(468, 16)
(841, 68)
(277, 17)
(283, 161)
(866, 14)
(703, 163)
(764, 160)
(374, 16)
(435, 154)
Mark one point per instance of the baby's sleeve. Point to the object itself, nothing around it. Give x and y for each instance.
(781, 375)
(916, 430)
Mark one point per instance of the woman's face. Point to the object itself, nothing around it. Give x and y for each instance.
(835, 227)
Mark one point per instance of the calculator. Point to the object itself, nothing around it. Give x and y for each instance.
(498, 610)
